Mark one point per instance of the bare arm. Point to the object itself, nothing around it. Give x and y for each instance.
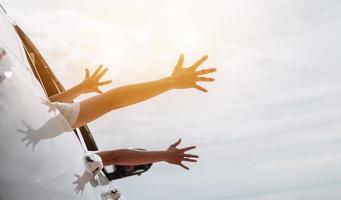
(89, 84)
(67, 96)
(172, 155)
(131, 157)
(181, 78)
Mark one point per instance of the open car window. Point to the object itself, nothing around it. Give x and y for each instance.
(51, 86)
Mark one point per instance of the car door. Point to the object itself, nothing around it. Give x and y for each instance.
(41, 156)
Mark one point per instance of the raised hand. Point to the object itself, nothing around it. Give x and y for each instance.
(176, 156)
(92, 82)
(188, 77)
(52, 107)
(81, 181)
(29, 136)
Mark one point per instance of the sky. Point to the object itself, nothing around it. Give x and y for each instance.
(269, 126)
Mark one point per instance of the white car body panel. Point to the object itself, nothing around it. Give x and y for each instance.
(42, 166)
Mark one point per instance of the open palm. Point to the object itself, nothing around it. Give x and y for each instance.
(178, 155)
(92, 82)
(188, 77)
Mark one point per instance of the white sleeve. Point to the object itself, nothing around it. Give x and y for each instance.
(70, 111)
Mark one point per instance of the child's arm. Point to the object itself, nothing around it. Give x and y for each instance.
(172, 155)
(89, 84)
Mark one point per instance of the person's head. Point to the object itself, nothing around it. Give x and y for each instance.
(2, 53)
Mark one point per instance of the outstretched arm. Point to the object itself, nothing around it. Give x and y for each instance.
(172, 155)
(88, 85)
(181, 78)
